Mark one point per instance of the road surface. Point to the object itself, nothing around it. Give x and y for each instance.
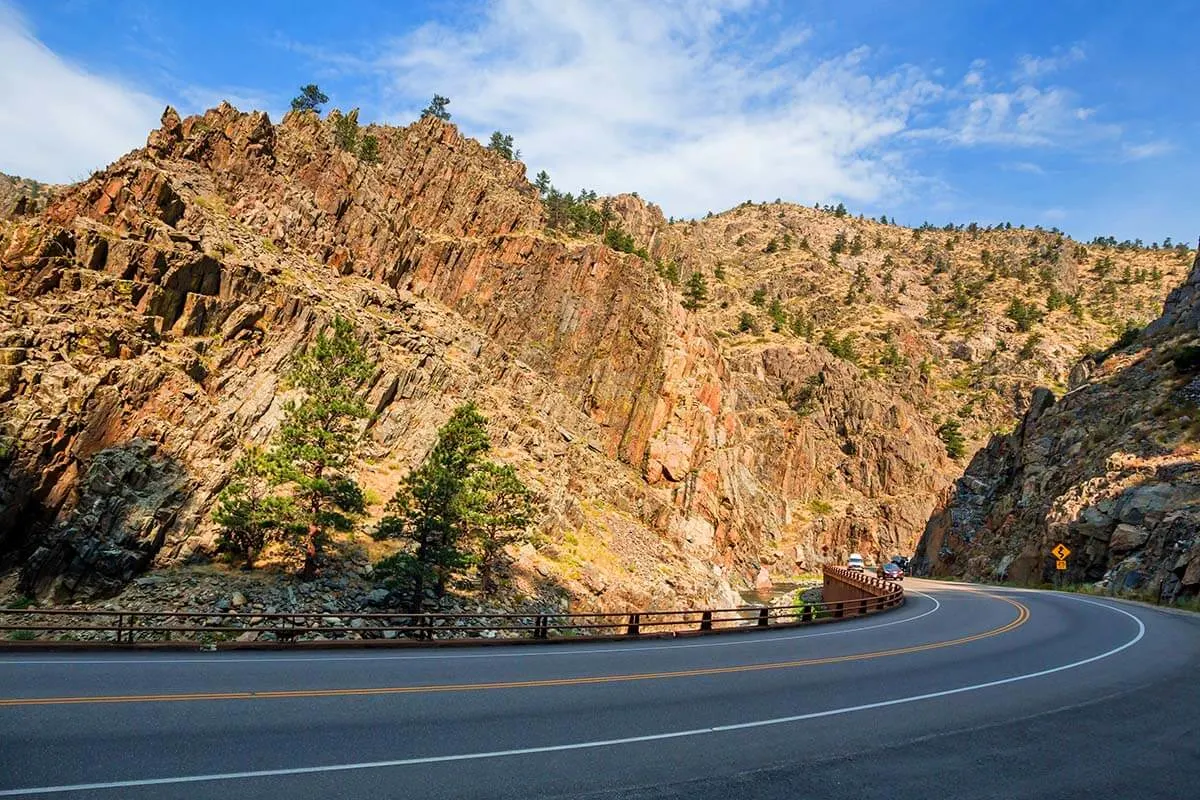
(964, 692)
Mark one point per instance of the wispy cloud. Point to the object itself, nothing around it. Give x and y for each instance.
(1137, 152)
(1027, 167)
(59, 121)
(694, 104)
(1031, 67)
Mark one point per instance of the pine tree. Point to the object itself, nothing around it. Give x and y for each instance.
(952, 437)
(497, 511)
(696, 292)
(437, 108)
(319, 436)
(310, 98)
(248, 511)
(542, 182)
(502, 144)
(345, 131)
(427, 511)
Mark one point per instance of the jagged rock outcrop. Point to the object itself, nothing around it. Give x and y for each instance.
(118, 521)
(162, 300)
(1111, 470)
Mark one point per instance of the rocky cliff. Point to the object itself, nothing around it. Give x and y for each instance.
(21, 196)
(151, 311)
(1111, 469)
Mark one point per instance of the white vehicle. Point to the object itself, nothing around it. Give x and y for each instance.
(855, 562)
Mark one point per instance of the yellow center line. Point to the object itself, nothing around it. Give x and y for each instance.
(1021, 618)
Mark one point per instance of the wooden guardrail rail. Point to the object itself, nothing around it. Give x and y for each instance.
(852, 593)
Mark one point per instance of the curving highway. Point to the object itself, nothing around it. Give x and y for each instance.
(966, 692)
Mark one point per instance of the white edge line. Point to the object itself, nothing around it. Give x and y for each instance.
(408, 762)
(567, 649)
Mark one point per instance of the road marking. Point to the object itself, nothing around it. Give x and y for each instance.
(289, 694)
(572, 649)
(600, 743)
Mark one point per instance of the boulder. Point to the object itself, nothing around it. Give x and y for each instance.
(115, 526)
(1127, 537)
(763, 582)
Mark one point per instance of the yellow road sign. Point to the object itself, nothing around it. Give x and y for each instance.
(1061, 551)
(1060, 564)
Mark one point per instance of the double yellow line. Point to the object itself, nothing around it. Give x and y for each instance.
(1021, 618)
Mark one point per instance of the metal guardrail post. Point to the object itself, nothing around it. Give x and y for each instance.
(541, 627)
(706, 621)
(764, 617)
(635, 627)
(839, 610)
(806, 614)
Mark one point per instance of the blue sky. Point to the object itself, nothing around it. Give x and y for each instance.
(1060, 113)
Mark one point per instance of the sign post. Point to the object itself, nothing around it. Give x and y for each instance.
(1060, 553)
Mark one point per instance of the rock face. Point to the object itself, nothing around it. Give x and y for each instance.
(118, 521)
(151, 311)
(1111, 470)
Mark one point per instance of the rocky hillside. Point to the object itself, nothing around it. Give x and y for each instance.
(150, 312)
(23, 196)
(1111, 469)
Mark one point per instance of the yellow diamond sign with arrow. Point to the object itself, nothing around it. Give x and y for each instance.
(1061, 551)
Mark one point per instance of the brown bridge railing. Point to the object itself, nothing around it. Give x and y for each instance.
(856, 594)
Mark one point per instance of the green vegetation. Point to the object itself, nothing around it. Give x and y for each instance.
(346, 135)
(842, 348)
(311, 98)
(502, 144)
(695, 294)
(746, 322)
(1026, 315)
(952, 437)
(759, 298)
(437, 108)
(453, 510)
(300, 489)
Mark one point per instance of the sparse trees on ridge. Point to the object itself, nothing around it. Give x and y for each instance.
(437, 108)
(311, 98)
(502, 144)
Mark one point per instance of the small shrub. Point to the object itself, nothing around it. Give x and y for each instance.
(1186, 359)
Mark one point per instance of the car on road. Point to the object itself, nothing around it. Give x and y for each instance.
(890, 571)
(901, 562)
(855, 563)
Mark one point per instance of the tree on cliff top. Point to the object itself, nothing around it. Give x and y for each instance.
(502, 143)
(311, 98)
(437, 108)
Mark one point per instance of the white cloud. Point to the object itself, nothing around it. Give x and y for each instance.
(1136, 152)
(679, 101)
(1027, 167)
(1030, 67)
(1023, 114)
(57, 120)
(1054, 214)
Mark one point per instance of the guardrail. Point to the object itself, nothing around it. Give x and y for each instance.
(36, 628)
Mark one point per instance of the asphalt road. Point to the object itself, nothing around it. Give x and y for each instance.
(964, 692)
